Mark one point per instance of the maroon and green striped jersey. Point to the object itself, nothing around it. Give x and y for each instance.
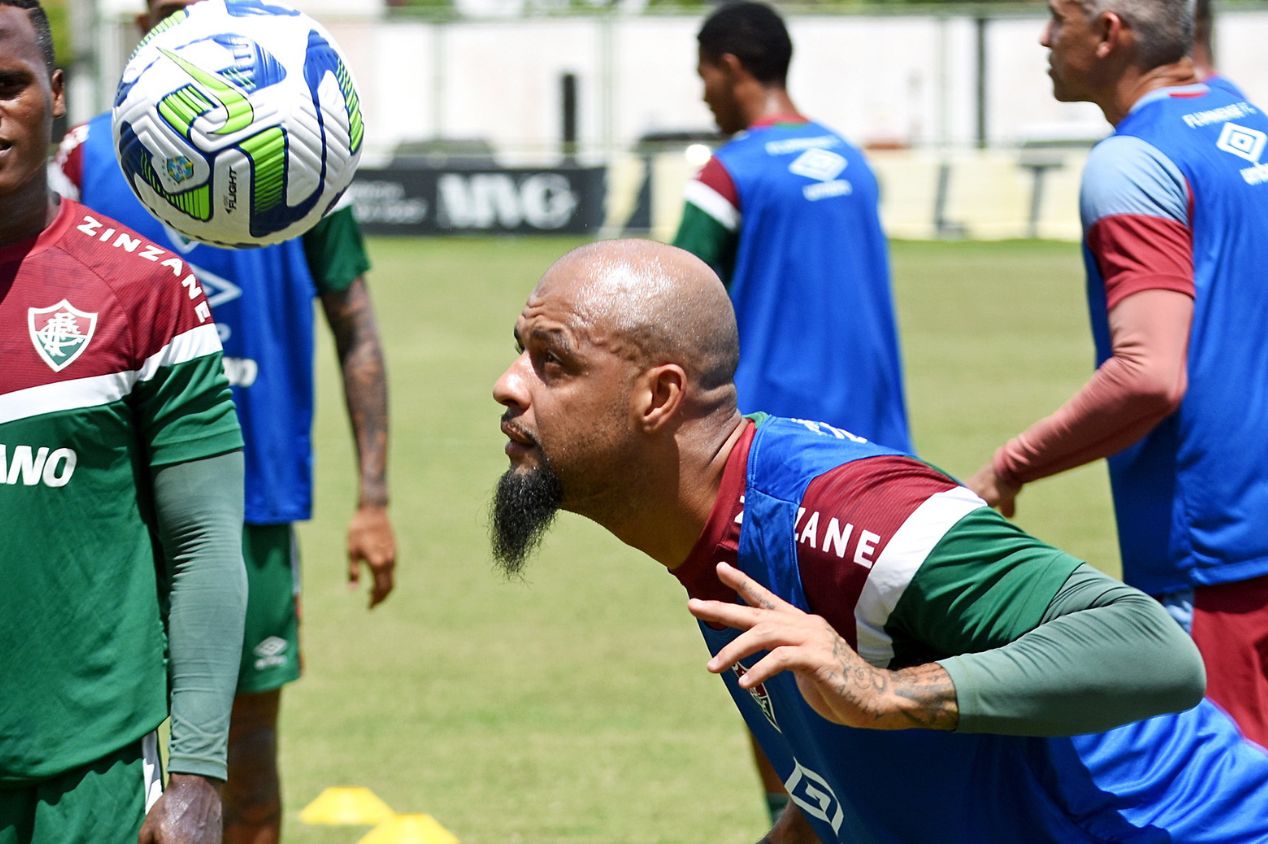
(112, 369)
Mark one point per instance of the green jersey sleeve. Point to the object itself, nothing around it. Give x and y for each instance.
(199, 508)
(1103, 654)
(985, 583)
(1036, 641)
(707, 239)
(186, 411)
(335, 251)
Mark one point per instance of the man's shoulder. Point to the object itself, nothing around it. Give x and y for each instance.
(120, 258)
(783, 138)
(1128, 174)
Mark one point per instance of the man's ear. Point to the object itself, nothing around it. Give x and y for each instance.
(1112, 33)
(732, 65)
(57, 84)
(142, 22)
(658, 396)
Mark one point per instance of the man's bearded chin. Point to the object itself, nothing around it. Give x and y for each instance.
(524, 506)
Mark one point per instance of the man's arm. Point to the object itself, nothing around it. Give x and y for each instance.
(1104, 654)
(834, 680)
(1101, 654)
(711, 219)
(1141, 383)
(199, 511)
(1135, 206)
(337, 259)
(370, 537)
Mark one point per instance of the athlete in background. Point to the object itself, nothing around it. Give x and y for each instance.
(263, 300)
(120, 501)
(1175, 220)
(786, 213)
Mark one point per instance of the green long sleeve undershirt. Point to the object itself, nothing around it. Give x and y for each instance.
(1067, 676)
(199, 506)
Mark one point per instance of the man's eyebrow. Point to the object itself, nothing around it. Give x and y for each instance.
(556, 335)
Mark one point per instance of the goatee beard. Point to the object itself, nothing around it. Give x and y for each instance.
(524, 506)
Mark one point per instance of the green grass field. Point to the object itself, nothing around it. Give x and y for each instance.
(574, 706)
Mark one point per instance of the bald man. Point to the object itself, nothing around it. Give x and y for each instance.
(916, 667)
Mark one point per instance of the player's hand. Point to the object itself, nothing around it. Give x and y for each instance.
(994, 490)
(834, 680)
(371, 541)
(187, 813)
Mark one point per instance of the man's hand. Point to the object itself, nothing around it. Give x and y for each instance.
(187, 813)
(370, 540)
(834, 680)
(994, 490)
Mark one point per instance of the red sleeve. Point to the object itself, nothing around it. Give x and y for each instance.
(1136, 252)
(1141, 383)
(847, 518)
(715, 176)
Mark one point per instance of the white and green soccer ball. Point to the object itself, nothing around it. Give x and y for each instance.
(237, 122)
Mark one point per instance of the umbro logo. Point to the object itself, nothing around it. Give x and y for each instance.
(1242, 142)
(824, 166)
(1247, 144)
(270, 652)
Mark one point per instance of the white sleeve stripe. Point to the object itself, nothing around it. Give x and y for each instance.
(182, 348)
(98, 390)
(61, 183)
(713, 203)
(898, 564)
(94, 391)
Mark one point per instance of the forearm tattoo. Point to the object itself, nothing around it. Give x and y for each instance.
(920, 697)
(356, 334)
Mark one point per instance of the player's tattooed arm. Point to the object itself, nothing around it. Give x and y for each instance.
(351, 317)
(370, 536)
(834, 680)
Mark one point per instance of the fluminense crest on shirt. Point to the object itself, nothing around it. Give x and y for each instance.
(759, 694)
(60, 333)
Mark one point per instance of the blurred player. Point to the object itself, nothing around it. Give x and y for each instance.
(263, 300)
(786, 212)
(917, 668)
(120, 501)
(1175, 216)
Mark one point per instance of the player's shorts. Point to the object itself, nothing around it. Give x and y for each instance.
(1230, 627)
(270, 642)
(104, 801)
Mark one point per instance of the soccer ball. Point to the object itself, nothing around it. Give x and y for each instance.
(237, 122)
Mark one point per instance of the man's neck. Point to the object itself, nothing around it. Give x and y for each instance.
(1135, 86)
(767, 102)
(26, 214)
(665, 518)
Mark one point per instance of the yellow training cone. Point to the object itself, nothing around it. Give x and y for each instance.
(409, 829)
(346, 806)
